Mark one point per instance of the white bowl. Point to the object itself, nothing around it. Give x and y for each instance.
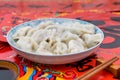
(52, 59)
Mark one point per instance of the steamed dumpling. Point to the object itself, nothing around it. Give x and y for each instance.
(41, 35)
(60, 48)
(21, 32)
(38, 35)
(74, 30)
(45, 24)
(67, 36)
(27, 44)
(44, 48)
(80, 29)
(92, 40)
(31, 31)
(87, 28)
(75, 46)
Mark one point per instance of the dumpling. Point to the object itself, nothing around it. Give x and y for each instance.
(43, 25)
(75, 46)
(31, 31)
(92, 39)
(38, 35)
(41, 35)
(21, 32)
(81, 41)
(56, 28)
(87, 28)
(44, 48)
(27, 43)
(80, 29)
(73, 29)
(49, 27)
(60, 48)
(49, 37)
(67, 36)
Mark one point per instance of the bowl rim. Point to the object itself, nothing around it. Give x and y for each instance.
(32, 53)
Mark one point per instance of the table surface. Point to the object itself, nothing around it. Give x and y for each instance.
(105, 14)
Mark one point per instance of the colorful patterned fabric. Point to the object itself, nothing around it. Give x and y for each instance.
(105, 14)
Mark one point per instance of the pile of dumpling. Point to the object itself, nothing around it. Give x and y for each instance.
(50, 38)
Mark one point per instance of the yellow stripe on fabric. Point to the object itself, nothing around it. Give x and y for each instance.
(29, 71)
(58, 78)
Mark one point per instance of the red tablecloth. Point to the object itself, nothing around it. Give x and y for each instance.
(105, 14)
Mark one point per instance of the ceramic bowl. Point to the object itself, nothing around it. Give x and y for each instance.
(52, 59)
